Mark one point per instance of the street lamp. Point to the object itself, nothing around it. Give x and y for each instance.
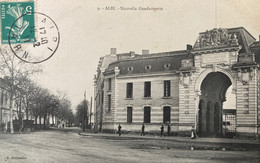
(84, 121)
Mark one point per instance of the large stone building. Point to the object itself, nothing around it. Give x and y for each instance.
(184, 88)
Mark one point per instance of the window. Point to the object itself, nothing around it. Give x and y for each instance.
(129, 114)
(109, 84)
(102, 96)
(2, 97)
(148, 67)
(147, 114)
(130, 69)
(166, 114)
(147, 89)
(167, 88)
(167, 66)
(129, 90)
(109, 102)
(6, 98)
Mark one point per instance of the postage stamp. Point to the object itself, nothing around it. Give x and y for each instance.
(45, 43)
(32, 36)
(17, 17)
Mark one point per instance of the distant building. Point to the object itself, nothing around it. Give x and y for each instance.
(5, 106)
(182, 88)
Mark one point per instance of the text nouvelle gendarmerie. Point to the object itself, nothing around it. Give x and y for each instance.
(130, 8)
(141, 8)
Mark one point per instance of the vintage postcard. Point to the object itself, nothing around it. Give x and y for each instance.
(129, 81)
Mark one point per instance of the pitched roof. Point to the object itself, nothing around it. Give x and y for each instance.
(255, 48)
(157, 62)
(245, 39)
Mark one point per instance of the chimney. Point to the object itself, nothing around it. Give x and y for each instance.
(188, 47)
(132, 54)
(113, 51)
(145, 52)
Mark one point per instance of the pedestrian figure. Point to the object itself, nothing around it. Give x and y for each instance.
(168, 129)
(142, 133)
(162, 130)
(119, 130)
(193, 133)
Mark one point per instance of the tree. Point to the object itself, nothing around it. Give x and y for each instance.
(35, 105)
(14, 69)
(54, 107)
(71, 118)
(27, 87)
(82, 110)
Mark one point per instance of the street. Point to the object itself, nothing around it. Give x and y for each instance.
(66, 145)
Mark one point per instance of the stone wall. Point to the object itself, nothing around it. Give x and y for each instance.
(138, 102)
(109, 116)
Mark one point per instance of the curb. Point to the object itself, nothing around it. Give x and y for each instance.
(191, 144)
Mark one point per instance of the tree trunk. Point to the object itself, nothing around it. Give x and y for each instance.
(52, 118)
(20, 114)
(44, 121)
(40, 117)
(17, 110)
(27, 105)
(11, 110)
(36, 117)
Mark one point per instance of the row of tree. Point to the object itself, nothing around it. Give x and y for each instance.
(28, 97)
(82, 114)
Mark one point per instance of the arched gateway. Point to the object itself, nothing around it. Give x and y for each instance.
(221, 59)
(213, 93)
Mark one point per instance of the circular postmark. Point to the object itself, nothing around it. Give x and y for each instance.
(40, 41)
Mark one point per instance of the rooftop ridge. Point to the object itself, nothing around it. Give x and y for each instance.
(235, 28)
(152, 55)
(243, 29)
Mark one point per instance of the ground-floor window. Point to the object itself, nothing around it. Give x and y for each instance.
(129, 114)
(166, 114)
(109, 102)
(147, 114)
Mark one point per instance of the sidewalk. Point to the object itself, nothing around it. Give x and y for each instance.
(198, 143)
(175, 138)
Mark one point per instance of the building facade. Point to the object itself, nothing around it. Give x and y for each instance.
(182, 89)
(5, 107)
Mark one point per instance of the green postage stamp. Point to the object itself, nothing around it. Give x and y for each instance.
(17, 22)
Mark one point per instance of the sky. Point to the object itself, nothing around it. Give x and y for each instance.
(87, 34)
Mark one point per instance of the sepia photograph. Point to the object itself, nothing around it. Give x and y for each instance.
(113, 81)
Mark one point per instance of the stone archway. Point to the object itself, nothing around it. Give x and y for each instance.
(201, 111)
(208, 118)
(217, 120)
(213, 91)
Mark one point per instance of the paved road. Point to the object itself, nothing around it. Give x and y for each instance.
(69, 146)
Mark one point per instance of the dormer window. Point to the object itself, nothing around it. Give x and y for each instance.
(186, 63)
(148, 67)
(130, 69)
(167, 66)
